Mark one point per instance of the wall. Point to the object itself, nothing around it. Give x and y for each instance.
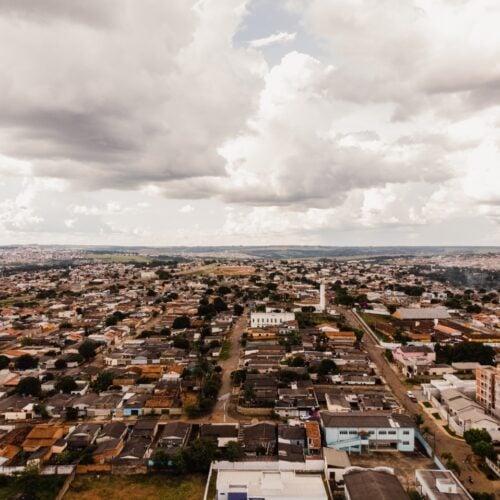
(254, 411)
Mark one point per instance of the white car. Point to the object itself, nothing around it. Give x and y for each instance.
(411, 396)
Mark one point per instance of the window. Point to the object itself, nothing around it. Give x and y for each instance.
(392, 432)
(406, 442)
(343, 432)
(382, 432)
(406, 432)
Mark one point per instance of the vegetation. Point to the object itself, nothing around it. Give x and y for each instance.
(465, 352)
(29, 386)
(166, 487)
(30, 485)
(87, 349)
(26, 362)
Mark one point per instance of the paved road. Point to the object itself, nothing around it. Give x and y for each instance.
(443, 441)
(229, 365)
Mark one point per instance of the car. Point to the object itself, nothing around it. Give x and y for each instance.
(411, 396)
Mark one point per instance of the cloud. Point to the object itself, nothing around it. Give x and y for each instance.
(276, 38)
(186, 209)
(145, 96)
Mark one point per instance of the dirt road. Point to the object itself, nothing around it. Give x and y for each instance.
(229, 365)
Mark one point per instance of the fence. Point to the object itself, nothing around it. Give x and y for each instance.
(428, 449)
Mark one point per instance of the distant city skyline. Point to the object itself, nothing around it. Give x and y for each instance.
(250, 122)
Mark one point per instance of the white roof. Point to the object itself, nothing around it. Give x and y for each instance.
(272, 484)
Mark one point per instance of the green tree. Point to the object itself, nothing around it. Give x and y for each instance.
(418, 419)
(66, 385)
(26, 362)
(71, 413)
(233, 451)
(327, 367)
(181, 322)
(29, 386)
(4, 362)
(87, 349)
(103, 381)
(484, 449)
(60, 364)
(238, 310)
(473, 436)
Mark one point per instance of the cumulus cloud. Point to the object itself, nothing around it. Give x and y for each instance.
(276, 38)
(145, 96)
(392, 123)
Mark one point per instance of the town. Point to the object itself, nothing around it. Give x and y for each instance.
(249, 378)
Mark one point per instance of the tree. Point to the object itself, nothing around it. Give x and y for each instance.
(60, 364)
(87, 349)
(465, 352)
(473, 436)
(181, 322)
(418, 419)
(238, 310)
(181, 343)
(327, 367)
(71, 413)
(4, 362)
(75, 358)
(297, 361)
(219, 304)
(26, 362)
(29, 386)
(103, 381)
(66, 385)
(233, 451)
(484, 449)
(198, 457)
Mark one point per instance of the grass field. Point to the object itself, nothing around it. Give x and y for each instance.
(147, 487)
(225, 350)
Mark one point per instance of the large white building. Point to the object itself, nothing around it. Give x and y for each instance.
(368, 431)
(261, 319)
(269, 485)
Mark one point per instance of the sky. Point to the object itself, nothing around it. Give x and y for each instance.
(250, 122)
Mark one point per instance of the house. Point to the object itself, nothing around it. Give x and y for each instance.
(108, 450)
(43, 436)
(17, 407)
(336, 463)
(292, 434)
(439, 485)
(373, 484)
(368, 431)
(419, 314)
(174, 436)
(222, 433)
(134, 405)
(269, 484)
(112, 430)
(83, 435)
(313, 438)
(258, 439)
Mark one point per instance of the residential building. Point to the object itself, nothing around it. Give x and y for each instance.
(440, 485)
(488, 388)
(269, 485)
(368, 431)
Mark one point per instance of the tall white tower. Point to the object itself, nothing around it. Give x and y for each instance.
(322, 298)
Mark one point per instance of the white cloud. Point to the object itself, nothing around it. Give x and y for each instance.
(276, 38)
(186, 209)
